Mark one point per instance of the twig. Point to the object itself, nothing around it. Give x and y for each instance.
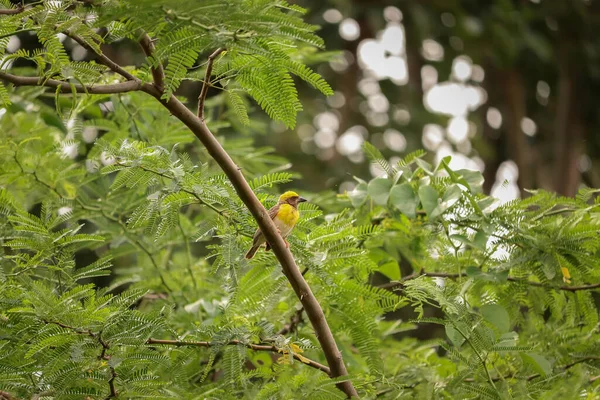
(12, 11)
(256, 347)
(103, 59)
(67, 87)
(206, 82)
(102, 356)
(481, 358)
(5, 395)
(295, 320)
(188, 252)
(111, 384)
(394, 284)
(532, 377)
(157, 71)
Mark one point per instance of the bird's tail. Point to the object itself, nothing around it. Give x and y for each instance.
(252, 251)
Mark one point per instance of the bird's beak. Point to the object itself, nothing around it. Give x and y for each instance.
(301, 200)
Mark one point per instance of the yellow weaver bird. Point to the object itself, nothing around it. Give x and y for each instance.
(285, 215)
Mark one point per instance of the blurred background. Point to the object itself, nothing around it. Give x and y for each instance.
(508, 87)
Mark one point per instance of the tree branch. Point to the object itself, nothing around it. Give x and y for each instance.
(532, 377)
(5, 395)
(266, 225)
(12, 11)
(256, 347)
(295, 320)
(206, 83)
(394, 284)
(102, 58)
(102, 356)
(67, 87)
(198, 127)
(158, 73)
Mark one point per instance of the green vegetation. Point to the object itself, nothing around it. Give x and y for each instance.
(122, 270)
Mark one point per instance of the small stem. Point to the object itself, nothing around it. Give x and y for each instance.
(206, 82)
(256, 347)
(187, 252)
(391, 285)
(487, 371)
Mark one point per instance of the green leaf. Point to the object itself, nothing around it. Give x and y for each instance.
(487, 205)
(404, 199)
(454, 335)
(358, 196)
(429, 198)
(425, 166)
(474, 179)
(449, 199)
(379, 190)
(496, 315)
(538, 362)
(480, 240)
(391, 270)
(549, 266)
(237, 105)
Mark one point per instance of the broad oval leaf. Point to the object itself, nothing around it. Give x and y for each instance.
(429, 198)
(379, 190)
(496, 315)
(404, 199)
(539, 363)
(358, 195)
(473, 178)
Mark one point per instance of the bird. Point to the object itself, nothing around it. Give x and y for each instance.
(285, 215)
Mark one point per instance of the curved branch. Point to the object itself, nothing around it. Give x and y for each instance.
(206, 83)
(158, 74)
(66, 87)
(102, 58)
(198, 127)
(12, 11)
(266, 225)
(256, 347)
(394, 284)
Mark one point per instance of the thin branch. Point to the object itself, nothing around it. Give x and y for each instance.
(256, 347)
(103, 59)
(295, 320)
(532, 377)
(12, 11)
(187, 252)
(206, 82)
(67, 87)
(9, 34)
(481, 358)
(5, 395)
(394, 284)
(103, 356)
(158, 73)
(190, 192)
(288, 264)
(111, 385)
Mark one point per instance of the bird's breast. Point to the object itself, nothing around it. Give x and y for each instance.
(286, 218)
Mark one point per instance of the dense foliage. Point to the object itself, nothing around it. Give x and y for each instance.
(122, 271)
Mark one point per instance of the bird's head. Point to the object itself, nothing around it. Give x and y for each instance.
(291, 198)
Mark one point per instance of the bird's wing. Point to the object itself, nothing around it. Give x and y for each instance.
(273, 211)
(272, 214)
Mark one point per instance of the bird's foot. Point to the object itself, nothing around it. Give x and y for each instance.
(287, 245)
